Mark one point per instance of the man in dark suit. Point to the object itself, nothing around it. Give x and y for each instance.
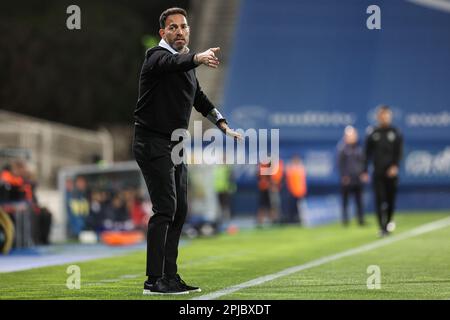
(168, 89)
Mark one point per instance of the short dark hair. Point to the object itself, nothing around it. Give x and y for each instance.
(169, 12)
(383, 107)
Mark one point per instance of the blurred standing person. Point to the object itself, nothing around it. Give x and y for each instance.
(351, 169)
(224, 187)
(276, 180)
(168, 88)
(296, 185)
(264, 205)
(269, 194)
(384, 147)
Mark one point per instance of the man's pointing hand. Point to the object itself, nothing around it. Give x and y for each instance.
(208, 58)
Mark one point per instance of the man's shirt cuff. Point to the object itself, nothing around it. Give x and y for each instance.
(215, 116)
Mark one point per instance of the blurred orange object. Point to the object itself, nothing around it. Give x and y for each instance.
(233, 229)
(122, 238)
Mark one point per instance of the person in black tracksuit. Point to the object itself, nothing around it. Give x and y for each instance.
(168, 88)
(384, 147)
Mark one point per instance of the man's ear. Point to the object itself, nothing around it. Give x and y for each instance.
(162, 33)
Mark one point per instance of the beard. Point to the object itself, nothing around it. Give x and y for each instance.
(180, 46)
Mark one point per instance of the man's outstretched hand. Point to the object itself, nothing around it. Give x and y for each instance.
(208, 58)
(230, 132)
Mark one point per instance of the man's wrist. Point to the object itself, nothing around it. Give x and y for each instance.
(222, 124)
(215, 116)
(196, 61)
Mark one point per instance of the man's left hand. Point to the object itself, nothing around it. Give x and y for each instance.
(229, 132)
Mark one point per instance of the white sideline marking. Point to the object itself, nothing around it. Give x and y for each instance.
(439, 224)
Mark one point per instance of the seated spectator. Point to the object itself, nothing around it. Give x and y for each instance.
(12, 183)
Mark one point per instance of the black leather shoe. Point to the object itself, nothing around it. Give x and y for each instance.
(163, 287)
(176, 280)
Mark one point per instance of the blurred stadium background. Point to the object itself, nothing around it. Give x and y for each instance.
(307, 67)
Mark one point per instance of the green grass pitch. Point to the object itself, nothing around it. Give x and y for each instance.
(413, 268)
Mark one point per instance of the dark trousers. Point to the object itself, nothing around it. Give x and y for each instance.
(41, 224)
(167, 186)
(225, 205)
(385, 193)
(293, 212)
(356, 191)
